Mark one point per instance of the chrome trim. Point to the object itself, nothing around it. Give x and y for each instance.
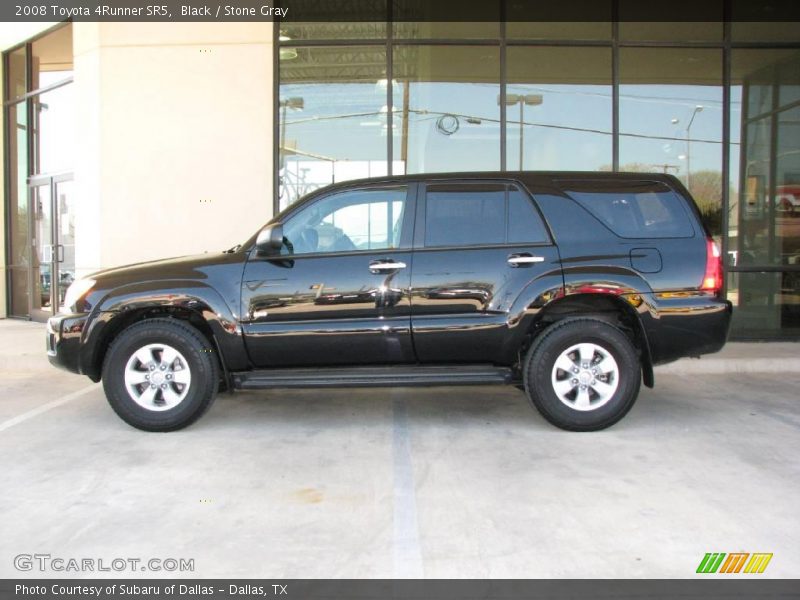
(377, 267)
(515, 261)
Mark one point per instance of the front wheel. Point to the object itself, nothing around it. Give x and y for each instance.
(160, 375)
(582, 374)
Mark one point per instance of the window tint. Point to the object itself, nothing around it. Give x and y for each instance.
(348, 221)
(465, 215)
(637, 209)
(479, 214)
(524, 223)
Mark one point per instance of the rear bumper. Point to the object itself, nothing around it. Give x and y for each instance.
(690, 326)
(64, 340)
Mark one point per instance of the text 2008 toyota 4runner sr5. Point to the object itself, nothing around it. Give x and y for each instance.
(572, 285)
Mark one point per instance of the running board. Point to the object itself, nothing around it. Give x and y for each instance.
(397, 376)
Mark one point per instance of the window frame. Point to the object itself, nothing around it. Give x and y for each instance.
(421, 215)
(28, 46)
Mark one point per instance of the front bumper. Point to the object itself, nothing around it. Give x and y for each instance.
(64, 340)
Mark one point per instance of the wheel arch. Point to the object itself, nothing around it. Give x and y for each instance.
(198, 304)
(621, 311)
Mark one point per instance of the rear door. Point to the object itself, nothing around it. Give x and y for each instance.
(477, 245)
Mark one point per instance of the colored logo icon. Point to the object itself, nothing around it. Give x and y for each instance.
(734, 562)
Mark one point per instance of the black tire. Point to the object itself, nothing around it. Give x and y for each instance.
(196, 396)
(539, 374)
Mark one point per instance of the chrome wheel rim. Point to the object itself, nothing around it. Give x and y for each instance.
(157, 377)
(585, 377)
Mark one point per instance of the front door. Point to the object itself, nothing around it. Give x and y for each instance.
(337, 293)
(52, 253)
(477, 246)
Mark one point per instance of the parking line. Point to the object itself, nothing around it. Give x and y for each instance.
(45, 407)
(405, 542)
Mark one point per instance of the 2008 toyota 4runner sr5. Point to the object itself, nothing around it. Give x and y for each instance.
(570, 285)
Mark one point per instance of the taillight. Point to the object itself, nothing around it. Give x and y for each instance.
(712, 280)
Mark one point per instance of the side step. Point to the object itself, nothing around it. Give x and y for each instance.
(395, 376)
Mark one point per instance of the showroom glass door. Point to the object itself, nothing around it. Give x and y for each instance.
(52, 253)
(764, 216)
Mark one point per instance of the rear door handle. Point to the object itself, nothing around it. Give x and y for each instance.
(381, 266)
(524, 259)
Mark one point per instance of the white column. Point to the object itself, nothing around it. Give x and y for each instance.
(174, 143)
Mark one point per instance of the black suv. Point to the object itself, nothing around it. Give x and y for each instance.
(569, 285)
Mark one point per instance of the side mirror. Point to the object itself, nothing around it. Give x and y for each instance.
(270, 238)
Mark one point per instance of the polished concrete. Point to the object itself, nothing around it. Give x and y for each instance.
(448, 482)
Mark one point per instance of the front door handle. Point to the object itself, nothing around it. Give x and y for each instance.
(382, 266)
(524, 259)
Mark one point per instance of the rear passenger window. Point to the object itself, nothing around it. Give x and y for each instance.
(634, 209)
(480, 214)
(524, 223)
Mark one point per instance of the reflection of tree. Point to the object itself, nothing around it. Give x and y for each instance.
(706, 189)
(633, 167)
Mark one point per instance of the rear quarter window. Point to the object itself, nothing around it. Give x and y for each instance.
(634, 209)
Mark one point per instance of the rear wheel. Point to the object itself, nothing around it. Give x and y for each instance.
(160, 375)
(582, 374)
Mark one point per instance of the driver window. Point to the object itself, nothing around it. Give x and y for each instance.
(349, 221)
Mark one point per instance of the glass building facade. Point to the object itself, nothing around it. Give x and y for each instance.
(715, 103)
(39, 144)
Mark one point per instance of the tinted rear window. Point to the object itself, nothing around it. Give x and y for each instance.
(634, 209)
(480, 214)
(465, 215)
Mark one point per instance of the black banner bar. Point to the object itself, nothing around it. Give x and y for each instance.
(401, 10)
(382, 589)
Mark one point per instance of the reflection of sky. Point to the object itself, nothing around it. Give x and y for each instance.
(56, 124)
(657, 117)
(570, 129)
(473, 146)
(736, 134)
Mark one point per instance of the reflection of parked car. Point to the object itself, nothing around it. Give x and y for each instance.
(570, 285)
(44, 287)
(66, 279)
(787, 199)
(359, 297)
(458, 293)
(790, 282)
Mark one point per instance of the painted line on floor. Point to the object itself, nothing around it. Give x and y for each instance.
(405, 542)
(45, 407)
(729, 366)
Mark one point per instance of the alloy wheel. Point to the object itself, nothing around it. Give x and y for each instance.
(585, 376)
(157, 377)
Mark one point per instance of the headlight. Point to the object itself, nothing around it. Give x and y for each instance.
(77, 290)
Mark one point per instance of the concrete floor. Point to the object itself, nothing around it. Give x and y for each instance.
(448, 482)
